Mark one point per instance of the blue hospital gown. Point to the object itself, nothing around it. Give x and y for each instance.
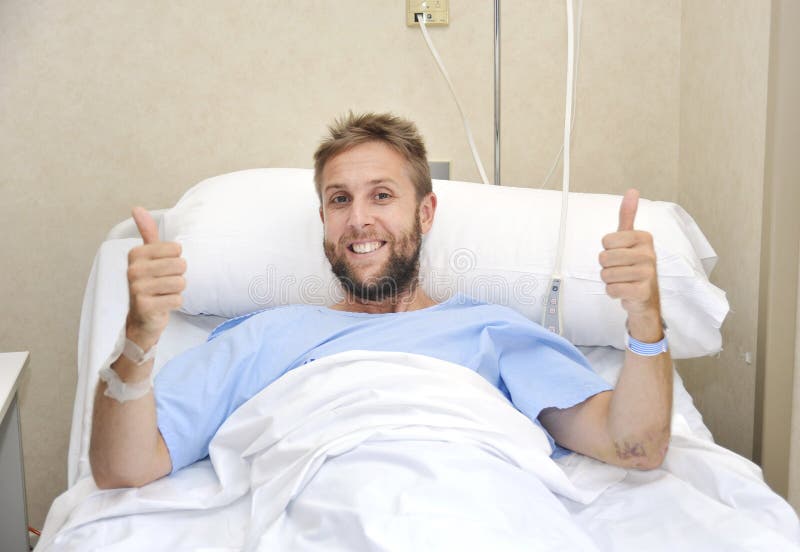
(196, 391)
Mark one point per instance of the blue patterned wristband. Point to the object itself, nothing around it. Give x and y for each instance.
(646, 349)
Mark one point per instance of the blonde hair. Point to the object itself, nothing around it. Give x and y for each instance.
(399, 134)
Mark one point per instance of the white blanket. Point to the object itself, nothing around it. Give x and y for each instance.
(391, 451)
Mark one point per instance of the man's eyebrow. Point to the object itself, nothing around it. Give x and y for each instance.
(378, 181)
(374, 182)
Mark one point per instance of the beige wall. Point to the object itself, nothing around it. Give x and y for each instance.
(782, 334)
(794, 457)
(104, 105)
(724, 70)
(781, 234)
(627, 114)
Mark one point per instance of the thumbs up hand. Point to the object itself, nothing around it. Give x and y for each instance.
(627, 210)
(155, 282)
(629, 266)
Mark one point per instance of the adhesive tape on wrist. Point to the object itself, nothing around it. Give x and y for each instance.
(115, 387)
(136, 354)
(122, 391)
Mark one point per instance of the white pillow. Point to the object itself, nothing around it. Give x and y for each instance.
(253, 239)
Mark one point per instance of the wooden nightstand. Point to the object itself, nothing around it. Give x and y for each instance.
(13, 515)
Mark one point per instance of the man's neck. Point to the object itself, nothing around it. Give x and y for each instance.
(407, 301)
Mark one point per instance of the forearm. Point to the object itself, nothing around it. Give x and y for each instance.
(126, 447)
(640, 410)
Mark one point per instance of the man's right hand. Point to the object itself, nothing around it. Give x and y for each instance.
(126, 447)
(155, 282)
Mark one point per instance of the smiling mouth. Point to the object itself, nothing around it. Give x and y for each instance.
(366, 247)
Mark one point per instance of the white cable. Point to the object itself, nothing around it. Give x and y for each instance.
(575, 83)
(567, 128)
(551, 317)
(475, 155)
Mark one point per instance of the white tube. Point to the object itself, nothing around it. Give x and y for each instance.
(567, 125)
(574, 96)
(436, 57)
(551, 316)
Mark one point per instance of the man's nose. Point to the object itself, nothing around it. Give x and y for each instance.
(360, 214)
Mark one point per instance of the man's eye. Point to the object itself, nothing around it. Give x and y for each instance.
(383, 195)
(338, 199)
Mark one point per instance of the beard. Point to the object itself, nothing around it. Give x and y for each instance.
(397, 275)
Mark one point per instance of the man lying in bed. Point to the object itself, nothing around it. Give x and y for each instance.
(376, 202)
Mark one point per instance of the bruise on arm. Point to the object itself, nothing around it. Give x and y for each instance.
(627, 451)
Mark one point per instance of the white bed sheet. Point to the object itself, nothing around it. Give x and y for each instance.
(702, 489)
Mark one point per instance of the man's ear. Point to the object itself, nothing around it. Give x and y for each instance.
(427, 211)
(321, 215)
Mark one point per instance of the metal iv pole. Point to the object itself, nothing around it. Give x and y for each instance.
(497, 92)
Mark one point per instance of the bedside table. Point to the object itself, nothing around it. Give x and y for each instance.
(13, 515)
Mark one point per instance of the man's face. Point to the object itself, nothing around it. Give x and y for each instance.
(373, 222)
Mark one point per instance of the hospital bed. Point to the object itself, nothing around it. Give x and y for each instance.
(426, 480)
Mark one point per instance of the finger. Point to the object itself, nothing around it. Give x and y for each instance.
(166, 285)
(626, 274)
(172, 301)
(160, 250)
(628, 238)
(146, 225)
(624, 257)
(156, 268)
(171, 266)
(627, 210)
(619, 240)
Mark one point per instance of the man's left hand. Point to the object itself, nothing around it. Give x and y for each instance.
(629, 426)
(629, 265)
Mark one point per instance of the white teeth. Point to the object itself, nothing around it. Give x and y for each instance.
(366, 247)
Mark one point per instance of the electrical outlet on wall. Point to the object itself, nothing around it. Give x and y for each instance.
(435, 12)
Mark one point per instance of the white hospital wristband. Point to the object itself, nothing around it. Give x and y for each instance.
(648, 349)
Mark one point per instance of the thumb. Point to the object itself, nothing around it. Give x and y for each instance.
(146, 225)
(627, 210)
